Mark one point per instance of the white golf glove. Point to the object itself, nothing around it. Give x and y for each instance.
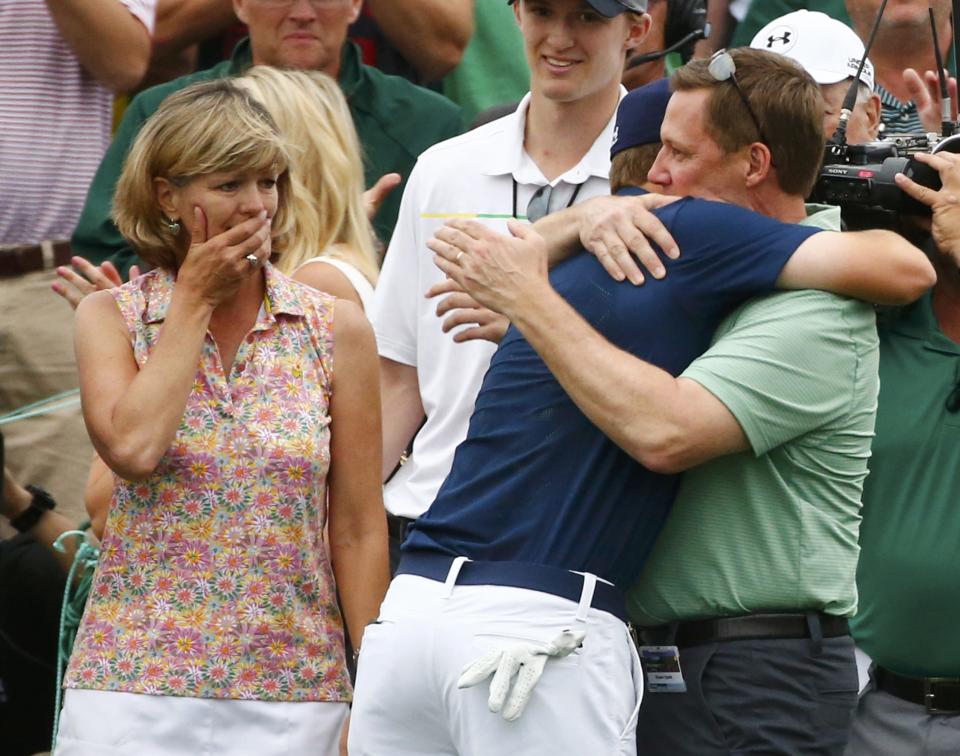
(516, 671)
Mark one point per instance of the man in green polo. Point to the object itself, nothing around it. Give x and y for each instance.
(908, 577)
(753, 575)
(395, 119)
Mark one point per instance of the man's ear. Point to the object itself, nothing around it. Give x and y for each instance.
(640, 24)
(759, 165)
(239, 9)
(166, 195)
(357, 6)
(874, 110)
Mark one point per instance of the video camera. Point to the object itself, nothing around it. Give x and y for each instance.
(860, 178)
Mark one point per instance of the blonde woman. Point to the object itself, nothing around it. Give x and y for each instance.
(238, 411)
(332, 247)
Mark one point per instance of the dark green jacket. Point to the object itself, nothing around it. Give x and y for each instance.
(395, 120)
(762, 12)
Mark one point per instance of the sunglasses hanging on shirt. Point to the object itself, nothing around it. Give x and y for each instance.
(539, 204)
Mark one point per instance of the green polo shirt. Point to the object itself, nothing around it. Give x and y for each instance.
(395, 121)
(774, 529)
(909, 572)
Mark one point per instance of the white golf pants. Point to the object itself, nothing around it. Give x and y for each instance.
(407, 702)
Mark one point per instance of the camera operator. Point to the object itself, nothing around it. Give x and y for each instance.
(907, 578)
(830, 52)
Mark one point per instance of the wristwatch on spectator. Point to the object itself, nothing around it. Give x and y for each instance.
(40, 503)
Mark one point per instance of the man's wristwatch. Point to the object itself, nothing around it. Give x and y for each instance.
(40, 503)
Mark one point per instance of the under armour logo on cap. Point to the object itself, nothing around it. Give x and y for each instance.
(779, 39)
(784, 38)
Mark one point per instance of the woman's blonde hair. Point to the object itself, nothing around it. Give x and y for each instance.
(206, 128)
(326, 196)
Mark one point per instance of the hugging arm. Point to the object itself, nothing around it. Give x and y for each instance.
(665, 423)
(617, 230)
(876, 266)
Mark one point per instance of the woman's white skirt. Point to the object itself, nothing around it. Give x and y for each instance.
(102, 723)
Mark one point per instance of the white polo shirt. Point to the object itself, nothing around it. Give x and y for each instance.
(470, 176)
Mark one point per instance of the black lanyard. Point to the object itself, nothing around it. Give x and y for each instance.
(573, 198)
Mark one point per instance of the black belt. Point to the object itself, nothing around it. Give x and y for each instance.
(397, 526)
(27, 258)
(939, 695)
(748, 627)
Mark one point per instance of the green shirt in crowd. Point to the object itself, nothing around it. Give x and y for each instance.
(774, 529)
(909, 572)
(494, 69)
(395, 121)
(762, 12)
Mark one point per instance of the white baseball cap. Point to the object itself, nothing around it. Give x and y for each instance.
(828, 49)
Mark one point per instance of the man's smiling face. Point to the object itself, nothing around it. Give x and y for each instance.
(573, 51)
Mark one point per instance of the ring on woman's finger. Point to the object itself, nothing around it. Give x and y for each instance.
(459, 255)
(253, 260)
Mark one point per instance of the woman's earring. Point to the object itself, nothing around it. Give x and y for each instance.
(172, 226)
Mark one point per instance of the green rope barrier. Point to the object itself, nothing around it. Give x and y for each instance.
(71, 611)
(51, 404)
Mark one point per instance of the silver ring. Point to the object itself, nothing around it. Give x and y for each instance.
(253, 260)
(457, 258)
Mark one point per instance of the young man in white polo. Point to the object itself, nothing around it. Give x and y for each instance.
(552, 152)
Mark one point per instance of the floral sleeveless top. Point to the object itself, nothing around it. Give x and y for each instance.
(214, 580)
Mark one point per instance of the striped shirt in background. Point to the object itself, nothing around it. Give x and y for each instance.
(55, 123)
(898, 117)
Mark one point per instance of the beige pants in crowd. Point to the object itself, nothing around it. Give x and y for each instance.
(37, 361)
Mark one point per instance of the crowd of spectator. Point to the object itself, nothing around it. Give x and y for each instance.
(476, 377)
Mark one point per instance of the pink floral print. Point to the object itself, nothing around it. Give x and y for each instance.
(214, 580)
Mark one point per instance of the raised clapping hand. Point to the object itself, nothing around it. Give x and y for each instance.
(374, 197)
(944, 203)
(497, 271)
(74, 285)
(215, 267)
(925, 93)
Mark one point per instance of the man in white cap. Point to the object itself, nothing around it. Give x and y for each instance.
(830, 51)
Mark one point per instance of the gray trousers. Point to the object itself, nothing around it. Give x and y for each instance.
(769, 697)
(885, 725)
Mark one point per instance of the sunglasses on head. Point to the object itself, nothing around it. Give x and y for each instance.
(722, 68)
